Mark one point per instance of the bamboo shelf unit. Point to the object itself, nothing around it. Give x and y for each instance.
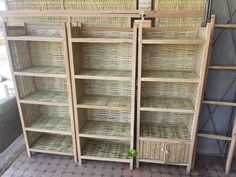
(40, 68)
(103, 68)
(171, 71)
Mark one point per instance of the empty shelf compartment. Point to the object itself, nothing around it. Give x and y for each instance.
(43, 71)
(167, 131)
(101, 128)
(54, 144)
(105, 74)
(169, 76)
(165, 103)
(105, 150)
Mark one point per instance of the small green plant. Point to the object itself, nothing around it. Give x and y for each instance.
(132, 153)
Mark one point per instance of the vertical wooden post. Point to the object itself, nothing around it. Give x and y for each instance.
(70, 97)
(231, 150)
(140, 32)
(15, 85)
(205, 55)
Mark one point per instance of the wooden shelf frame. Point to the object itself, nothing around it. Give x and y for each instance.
(22, 102)
(200, 81)
(75, 38)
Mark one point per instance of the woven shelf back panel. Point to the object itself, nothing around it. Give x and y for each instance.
(108, 88)
(103, 56)
(179, 5)
(33, 113)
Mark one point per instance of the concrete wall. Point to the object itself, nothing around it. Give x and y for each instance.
(221, 85)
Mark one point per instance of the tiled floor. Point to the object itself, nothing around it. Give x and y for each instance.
(42, 165)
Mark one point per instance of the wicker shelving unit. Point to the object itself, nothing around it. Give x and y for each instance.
(40, 69)
(103, 63)
(171, 71)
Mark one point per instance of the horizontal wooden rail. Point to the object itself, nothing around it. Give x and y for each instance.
(216, 137)
(173, 41)
(220, 103)
(176, 14)
(34, 38)
(101, 40)
(229, 26)
(222, 67)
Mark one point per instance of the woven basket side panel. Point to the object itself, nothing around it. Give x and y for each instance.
(107, 56)
(178, 153)
(99, 5)
(169, 34)
(34, 5)
(168, 57)
(51, 84)
(178, 5)
(108, 115)
(109, 88)
(116, 22)
(166, 118)
(25, 85)
(106, 34)
(145, 4)
(173, 5)
(54, 111)
(19, 54)
(178, 22)
(32, 137)
(198, 60)
(54, 21)
(177, 90)
(30, 113)
(46, 53)
(151, 150)
(40, 30)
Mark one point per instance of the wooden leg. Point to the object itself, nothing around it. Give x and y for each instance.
(231, 150)
(137, 163)
(131, 164)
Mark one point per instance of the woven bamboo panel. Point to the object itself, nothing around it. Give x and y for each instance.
(167, 131)
(108, 88)
(41, 54)
(105, 149)
(178, 153)
(145, 4)
(177, 5)
(106, 128)
(46, 117)
(169, 90)
(151, 150)
(104, 56)
(34, 5)
(48, 142)
(104, 115)
(102, 5)
(164, 118)
(36, 87)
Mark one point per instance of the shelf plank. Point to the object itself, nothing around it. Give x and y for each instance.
(216, 137)
(166, 131)
(42, 71)
(174, 41)
(53, 98)
(105, 150)
(104, 75)
(106, 130)
(105, 102)
(228, 26)
(222, 67)
(52, 125)
(220, 103)
(169, 76)
(101, 40)
(53, 144)
(34, 38)
(166, 104)
(161, 162)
